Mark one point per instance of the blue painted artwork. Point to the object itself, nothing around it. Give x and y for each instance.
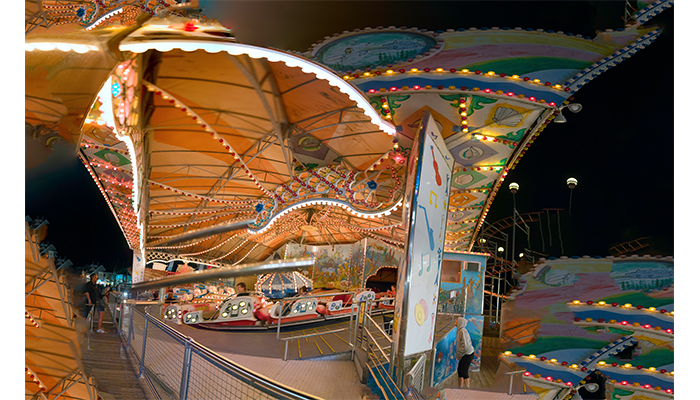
(369, 50)
(445, 359)
(452, 295)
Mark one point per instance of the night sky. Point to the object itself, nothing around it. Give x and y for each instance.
(620, 147)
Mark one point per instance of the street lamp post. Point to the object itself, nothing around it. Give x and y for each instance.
(571, 183)
(513, 189)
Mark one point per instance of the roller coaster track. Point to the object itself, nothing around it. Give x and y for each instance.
(507, 222)
(629, 247)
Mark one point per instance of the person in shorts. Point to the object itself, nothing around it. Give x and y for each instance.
(94, 297)
(465, 352)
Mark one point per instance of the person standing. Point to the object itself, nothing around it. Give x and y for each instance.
(92, 292)
(465, 352)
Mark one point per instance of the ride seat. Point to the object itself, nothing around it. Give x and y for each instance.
(346, 298)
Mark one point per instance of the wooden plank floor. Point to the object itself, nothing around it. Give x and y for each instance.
(112, 365)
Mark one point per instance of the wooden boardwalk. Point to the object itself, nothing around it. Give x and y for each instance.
(491, 376)
(112, 365)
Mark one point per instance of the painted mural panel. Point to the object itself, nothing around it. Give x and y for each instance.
(445, 359)
(466, 297)
(380, 254)
(332, 268)
(357, 259)
(373, 50)
(592, 311)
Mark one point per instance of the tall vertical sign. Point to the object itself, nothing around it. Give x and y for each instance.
(138, 267)
(426, 205)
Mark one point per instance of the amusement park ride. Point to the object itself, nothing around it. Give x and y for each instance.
(219, 154)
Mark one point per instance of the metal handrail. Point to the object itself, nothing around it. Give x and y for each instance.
(258, 381)
(512, 374)
(90, 323)
(287, 339)
(376, 344)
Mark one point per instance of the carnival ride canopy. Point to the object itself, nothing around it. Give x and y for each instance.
(185, 130)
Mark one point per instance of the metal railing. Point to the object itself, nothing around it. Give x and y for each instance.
(353, 313)
(415, 378)
(182, 369)
(369, 338)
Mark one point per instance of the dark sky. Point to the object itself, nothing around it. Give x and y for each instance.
(620, 147)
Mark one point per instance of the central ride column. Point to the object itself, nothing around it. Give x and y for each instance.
(425, 218)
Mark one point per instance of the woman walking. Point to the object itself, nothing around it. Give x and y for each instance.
(465, 352)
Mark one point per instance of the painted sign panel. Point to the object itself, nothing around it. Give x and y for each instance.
(419, 280)
(445, 358)
(138, 266)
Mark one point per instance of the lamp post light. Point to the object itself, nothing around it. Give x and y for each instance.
(571, 183)
(513, 189)
(573, 107)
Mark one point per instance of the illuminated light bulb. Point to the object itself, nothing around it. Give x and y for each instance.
(628, 305)
(627, 365)
(536, 80)
(346, 77)
(576, 302)
(532, 356)
(490, 73)
(507, 353)
(414, 69)
(601, 303)
(574, 366)
(389, 71)
(601, 362)
(652, 369)
(515, 77)
(553, 360)
(652, 309)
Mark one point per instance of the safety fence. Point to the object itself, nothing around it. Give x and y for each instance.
(180, 368)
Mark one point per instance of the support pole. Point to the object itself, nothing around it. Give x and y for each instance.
(185, 382)
(143, 350)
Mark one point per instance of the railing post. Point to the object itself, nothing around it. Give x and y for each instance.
(143, 351)
(391, 358)
(286, 346)
(130, 333)
(350, 329)
(121, 317)
(279, 317)
(185, 382)
(90, 318)
(357, 323)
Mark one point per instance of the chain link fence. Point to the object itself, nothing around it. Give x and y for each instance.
(180, 368)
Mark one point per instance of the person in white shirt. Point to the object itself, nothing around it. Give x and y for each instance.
(465, 352)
